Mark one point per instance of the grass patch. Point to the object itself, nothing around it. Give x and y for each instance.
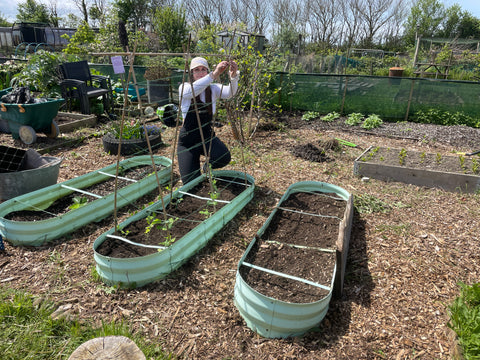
(465, 320)
(27, 330)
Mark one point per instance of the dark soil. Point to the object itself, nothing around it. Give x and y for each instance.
(309, 152)
(63, 204)
(294, 243)
(186, 211)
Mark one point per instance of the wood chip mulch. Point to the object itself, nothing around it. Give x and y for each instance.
(403, 269)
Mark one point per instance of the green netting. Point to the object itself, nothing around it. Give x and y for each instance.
(389, 97)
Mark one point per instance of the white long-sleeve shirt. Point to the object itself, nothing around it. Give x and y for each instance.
(218, 91)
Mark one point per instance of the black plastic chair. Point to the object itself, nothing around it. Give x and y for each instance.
(79, 83)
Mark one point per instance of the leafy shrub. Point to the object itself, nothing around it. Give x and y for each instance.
(41, 73)
(465, 319)
(372, 122)
(354, 119)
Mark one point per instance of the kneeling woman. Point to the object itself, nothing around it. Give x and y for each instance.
(190, 146)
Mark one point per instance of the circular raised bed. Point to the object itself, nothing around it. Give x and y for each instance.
(130, 146)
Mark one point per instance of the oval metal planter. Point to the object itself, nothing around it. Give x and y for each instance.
(37, 233)
(139, 271)
(273, 318)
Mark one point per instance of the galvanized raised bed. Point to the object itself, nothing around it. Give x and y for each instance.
(273, 318)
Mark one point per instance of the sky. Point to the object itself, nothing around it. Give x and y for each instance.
(9, 7)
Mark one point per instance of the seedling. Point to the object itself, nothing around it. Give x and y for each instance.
(331, 116)
(354, 119)
(206, 213)
(461, 158)
(475, 166)
(371, 122)
(438, 158)
(422, 157)
(78, 202)
(310, 115)
(401, 156)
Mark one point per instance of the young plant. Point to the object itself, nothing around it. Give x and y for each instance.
(78, 202)
(310, 115)
(438, 158)
(354, 119)
(401, 156)
(164, 225)
(461, 158)
(372, 122)
(331, 116)
(475, 166)
(422, 157)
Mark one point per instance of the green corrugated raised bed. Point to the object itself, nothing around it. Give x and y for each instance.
(39, 232)
(136, 271)
(277, 304)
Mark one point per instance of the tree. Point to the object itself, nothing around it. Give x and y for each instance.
(171, 26)
(82, 5)
(4, 21)
(425, 19)
(31, 11)
(375, 15)
(459, 23)
(289, 24)
(80, 42)
(134, 12)
(204, 13)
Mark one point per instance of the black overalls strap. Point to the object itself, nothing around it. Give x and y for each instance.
(190, 132)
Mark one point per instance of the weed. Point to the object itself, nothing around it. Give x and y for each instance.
(438, 158)
(367, 204)
(461, 158)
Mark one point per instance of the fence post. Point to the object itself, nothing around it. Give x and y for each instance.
(409, 99)
(344, 95)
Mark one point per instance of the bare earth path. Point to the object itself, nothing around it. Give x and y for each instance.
(403, 270)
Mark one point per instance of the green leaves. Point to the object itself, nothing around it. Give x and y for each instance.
(78, 202)
(371, 122)
(465, 319)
